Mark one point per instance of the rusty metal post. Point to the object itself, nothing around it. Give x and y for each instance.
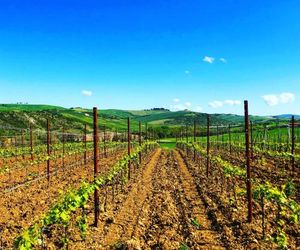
(293, 143)
(48, 150)
(31, 142)
(85, 146)
(128, 146)
(248, 163)
(96, 167)
(208, 146)
(140, 140)
(194, 139)
(63, 145)
(229, 135)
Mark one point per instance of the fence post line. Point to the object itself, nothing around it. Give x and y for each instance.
(48, 150)
(96, 166)
(293, 143)
(248, 164)
(208, 145)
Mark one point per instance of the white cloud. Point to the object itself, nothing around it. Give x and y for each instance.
(219, 104)
(287, 97)
(86, 92)
(271, 100)
(180, 106)
(216, 104)
(187, 72)
(188, 104)
(223, 60)
(232, 102)
(208, 59)
(275, 99)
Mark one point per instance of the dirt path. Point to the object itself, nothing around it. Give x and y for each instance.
(163, 210)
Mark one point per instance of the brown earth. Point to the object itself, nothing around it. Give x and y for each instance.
(161, 210)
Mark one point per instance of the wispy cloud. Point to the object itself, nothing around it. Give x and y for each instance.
(232, 102)
(219, 104)
(223, 60)
(208, 59)
(188, 104)
(180, 106)
(187, 72)
(86, 92)
(275, 99)
(216, 104)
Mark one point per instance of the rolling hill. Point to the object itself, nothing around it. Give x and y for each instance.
(73, 119)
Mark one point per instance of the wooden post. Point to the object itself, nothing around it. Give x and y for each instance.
(252, 142)
(48, 150)
(96, 167)
(248, 164)
(194, 139)
(85, 146)
(208, 146)
(63, 145)
(229, 135)
(140, 140)
(31, 142)
(128, 146)
(293, 143)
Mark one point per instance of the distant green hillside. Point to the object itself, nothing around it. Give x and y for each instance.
(28, 107)
(73, 119)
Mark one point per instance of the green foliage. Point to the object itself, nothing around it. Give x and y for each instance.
(60, 213)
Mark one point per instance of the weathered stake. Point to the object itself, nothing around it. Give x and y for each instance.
(128, 146)
(31, 142)
(96, 167)
(140, 140)
(293, 144)
(194, 140)
(85, 146)
(229, 135)
(248, 164)
(252, 142)
(48, 150)
(63, 146)
(208, 146)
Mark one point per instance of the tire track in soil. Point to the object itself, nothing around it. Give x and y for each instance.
(205, 237)
(162, 224)
(124, 223)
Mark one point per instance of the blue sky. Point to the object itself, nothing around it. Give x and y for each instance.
(201, 55)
